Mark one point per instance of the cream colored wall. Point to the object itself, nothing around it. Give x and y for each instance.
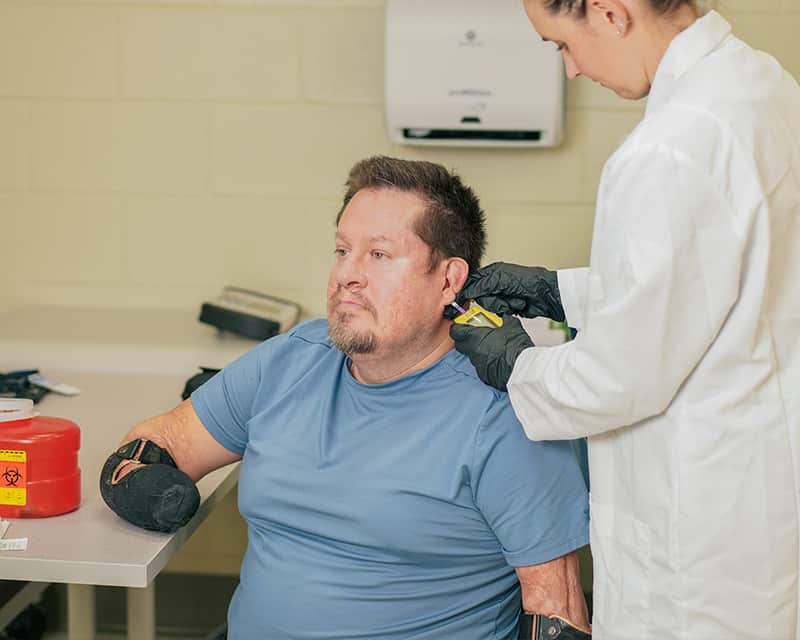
(152, 152)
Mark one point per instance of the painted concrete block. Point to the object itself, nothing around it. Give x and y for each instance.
(554, 236)
(67, 238)
(50, 51)
(173, 240)
(343, 56)
(134, 147)
(204, 54)
(15, 131)
(291, 151)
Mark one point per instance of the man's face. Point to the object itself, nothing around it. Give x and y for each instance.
(382, 299)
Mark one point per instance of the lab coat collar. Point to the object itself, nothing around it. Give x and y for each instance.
(685, 50)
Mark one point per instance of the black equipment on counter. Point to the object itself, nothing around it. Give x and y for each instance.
(197, 380)
(249, 313)
(16, 384)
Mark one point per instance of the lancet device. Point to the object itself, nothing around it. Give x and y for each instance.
(477, 316)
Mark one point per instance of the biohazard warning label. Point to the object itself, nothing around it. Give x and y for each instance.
(13, 477)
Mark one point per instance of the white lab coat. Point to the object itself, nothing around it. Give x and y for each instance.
(685, 374)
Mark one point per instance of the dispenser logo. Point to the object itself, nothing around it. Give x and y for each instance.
(13, 478)
(471, 39)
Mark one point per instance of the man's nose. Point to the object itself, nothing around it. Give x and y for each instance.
(570, 66)
(350, 272)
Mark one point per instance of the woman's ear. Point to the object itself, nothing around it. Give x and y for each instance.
(611, 14)
(455, 276)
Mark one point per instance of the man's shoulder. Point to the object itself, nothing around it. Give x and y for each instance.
(312, 332)
(462, 375)
(308, 339)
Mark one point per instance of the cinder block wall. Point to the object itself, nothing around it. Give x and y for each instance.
(153, 151)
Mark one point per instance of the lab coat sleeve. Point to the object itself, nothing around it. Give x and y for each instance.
(572, 285)
(666, 262)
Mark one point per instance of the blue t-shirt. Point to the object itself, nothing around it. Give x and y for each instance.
(387, 511)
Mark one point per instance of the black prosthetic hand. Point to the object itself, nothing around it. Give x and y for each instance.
(539, 627)
(156, 495)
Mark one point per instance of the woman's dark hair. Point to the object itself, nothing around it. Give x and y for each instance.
(452, 224)
(578, 7)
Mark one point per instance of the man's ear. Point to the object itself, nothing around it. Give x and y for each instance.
(455, 276)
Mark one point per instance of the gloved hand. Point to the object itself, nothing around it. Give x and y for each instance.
(492, 351)
(513, 288)
(155, 495)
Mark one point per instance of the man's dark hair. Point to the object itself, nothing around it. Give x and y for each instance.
(452, 224)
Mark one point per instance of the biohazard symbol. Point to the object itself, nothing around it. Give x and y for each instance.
(12, 476)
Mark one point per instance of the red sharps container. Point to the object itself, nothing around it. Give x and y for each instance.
(39, 474)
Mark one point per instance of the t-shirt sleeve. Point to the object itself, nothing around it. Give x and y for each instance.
(224, 404)
(532, 494)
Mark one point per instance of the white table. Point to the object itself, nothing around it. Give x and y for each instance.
(129, 365)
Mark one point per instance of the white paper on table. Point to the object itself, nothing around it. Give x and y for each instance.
(14, 544)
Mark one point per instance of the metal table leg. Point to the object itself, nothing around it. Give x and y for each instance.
(142, 613)
(80, 612)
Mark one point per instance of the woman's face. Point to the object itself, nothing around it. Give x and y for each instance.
(596, 46)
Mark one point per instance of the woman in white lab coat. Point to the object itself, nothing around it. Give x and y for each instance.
(685, 372)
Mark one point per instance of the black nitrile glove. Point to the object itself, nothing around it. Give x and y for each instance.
(511, 288)
(156, 496)
(492, 351)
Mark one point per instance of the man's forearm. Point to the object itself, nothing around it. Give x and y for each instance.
(184, 437)
(554, 589)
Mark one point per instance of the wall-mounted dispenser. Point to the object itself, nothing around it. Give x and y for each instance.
(470, 73)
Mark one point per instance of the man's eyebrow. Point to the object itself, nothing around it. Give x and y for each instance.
(378, 238)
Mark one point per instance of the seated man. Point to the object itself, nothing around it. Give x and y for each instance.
(388, 493)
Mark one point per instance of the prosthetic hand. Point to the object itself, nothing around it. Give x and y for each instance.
(539, 627)
(492, 351)
(512, 288)
(154, 494)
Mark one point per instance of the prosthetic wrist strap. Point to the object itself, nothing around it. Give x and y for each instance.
(154, 495)
(539, 627)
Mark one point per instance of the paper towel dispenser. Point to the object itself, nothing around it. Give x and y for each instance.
(470, 73)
